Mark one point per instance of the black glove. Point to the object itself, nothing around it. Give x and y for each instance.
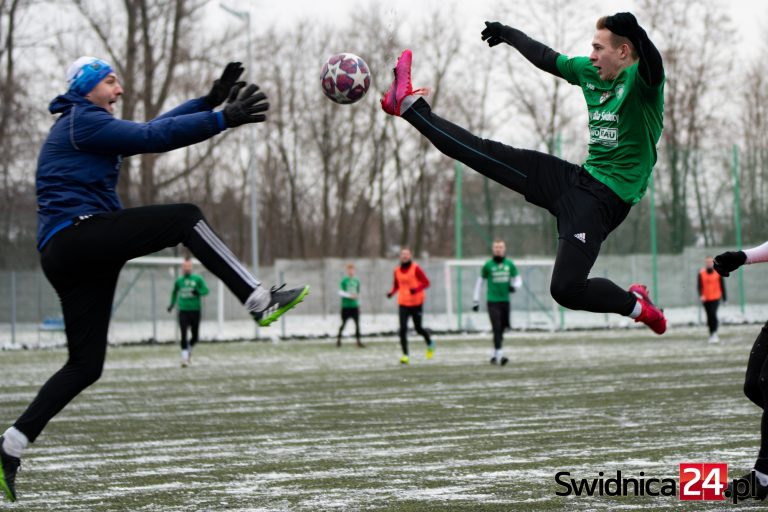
(493, 33)
(413, 291)
(476, 306)
(389, 295)
(623, 24)
(169, 308)
(195, 292)
(729, 261)
(223, 85)
(247, 107)
(512, 289)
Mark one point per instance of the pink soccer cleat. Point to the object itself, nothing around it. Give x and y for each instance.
(650, 315)
(401, 85)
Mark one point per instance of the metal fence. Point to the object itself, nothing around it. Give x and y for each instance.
(29, 307)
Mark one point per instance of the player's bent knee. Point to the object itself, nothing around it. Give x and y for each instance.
(565, 294)
(190, 212)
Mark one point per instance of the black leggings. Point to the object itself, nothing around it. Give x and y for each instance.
(710, 307)
(189, 320)
(83, 262)
(498, 312)
(414, 312)
(756, 389)
(346, 314)
(579, 202)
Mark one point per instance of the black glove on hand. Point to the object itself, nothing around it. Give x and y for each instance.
(623, 24)
(476, 306)
(494, 33)
(389, 295)
(196, 292)
(169, 309)
(512, 289)
(247, 107)
(223, 85)
(729, 261)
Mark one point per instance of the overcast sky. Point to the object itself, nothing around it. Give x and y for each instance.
(749, 15)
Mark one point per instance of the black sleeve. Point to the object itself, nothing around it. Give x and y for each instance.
(539, 54)
(650, 66)
(722, 287)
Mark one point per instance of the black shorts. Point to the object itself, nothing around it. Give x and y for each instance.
(586, 209)
(350, 313)
(499, 312)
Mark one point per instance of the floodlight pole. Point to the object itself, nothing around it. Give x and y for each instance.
(245, 17)
(737, 219)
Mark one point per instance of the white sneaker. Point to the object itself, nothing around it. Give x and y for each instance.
(714, 338)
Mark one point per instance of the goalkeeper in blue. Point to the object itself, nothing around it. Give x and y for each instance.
(503, 278)
(85, 236)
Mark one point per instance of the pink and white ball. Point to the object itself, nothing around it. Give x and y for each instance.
(345, 78)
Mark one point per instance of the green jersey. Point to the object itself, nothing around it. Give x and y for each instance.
(188, 290)
(625, 121)
(350, 285)
(498, 276)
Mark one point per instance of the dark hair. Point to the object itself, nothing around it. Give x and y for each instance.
(617, 40)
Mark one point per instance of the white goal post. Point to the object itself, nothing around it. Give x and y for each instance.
(172, 262)
(535, 300)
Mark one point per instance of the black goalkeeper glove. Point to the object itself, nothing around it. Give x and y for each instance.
(623, 24)
(512, 289)
(248, 107)
(727, 262)
(476, 306)
(494, 33)
(196, 292)
(169, 308)
(223, 85)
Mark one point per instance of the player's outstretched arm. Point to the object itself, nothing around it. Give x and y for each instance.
(106, 134)
(539, 54)
(650, 66)
(729, 261)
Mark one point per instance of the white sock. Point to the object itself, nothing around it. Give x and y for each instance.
(638, 309)
(762, 478)
(258, 300)
(185, 354)
(497, 354)
(15, 442)
(408, 101)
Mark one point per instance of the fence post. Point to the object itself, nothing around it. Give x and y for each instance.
(153, 305)
(654, 248)
(13, 307)
(459, 229)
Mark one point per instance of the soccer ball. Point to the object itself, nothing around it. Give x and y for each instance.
(345, 78)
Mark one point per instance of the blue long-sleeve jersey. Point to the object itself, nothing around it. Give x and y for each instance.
(79, 163)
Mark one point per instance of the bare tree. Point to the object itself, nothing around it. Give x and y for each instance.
(692, 114)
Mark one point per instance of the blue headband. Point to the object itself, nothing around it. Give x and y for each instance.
(89, 76)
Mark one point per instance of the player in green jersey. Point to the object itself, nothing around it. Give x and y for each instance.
(503, 279)
(187, 291)
(623, 85)
(349, 291)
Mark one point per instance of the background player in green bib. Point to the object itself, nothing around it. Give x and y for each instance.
(187, 291)
(623, 85)
(503, 279)
(349, 290)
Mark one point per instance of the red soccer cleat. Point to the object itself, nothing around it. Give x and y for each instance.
(650, 315)
(401, 85)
